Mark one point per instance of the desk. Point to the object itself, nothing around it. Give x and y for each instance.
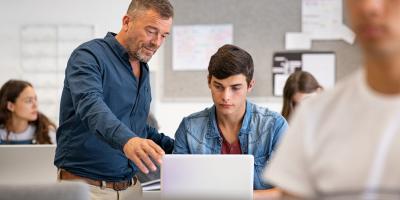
(151, 195)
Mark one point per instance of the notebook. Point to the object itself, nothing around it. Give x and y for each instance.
(150, 181)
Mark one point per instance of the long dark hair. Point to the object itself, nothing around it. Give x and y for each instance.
(299, 81)
(9, 92)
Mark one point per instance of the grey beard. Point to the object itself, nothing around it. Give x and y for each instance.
(140, 58)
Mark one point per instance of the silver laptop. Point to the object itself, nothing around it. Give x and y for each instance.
(207, 177)
(27, 163)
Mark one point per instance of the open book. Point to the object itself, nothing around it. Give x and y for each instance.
(150, 181)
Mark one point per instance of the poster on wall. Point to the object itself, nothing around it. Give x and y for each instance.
(320, 20)
(193, 45)
(321, 65)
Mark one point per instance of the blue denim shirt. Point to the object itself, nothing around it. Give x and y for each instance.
(258, 136)
(103, 105)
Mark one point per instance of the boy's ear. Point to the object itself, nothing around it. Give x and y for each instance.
(251, 85)
(10, 106)
(209, 81)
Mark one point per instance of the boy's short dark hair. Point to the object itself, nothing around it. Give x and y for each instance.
(231, 60)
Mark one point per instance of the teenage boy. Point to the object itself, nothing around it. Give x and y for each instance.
(232, 125)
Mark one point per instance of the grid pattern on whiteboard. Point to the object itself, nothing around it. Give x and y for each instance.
(45, 50)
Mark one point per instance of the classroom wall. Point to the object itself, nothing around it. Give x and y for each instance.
(103, 14)
(15, 16)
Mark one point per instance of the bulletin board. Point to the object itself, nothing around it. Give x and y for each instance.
(259, 27)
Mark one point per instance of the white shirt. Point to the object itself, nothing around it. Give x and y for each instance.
(343, 142)
(28, 134)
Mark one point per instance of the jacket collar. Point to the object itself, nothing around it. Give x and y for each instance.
(213, 132)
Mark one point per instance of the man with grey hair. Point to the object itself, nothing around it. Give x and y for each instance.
(103, 138)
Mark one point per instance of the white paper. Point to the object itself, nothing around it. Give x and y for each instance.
(347, 34)
(193, 46)
(279, 83)
(322, 67)
(321, 16)
(297, 41)
(323, 20)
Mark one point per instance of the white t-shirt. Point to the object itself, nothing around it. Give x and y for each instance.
(28, 134)
(342, 143)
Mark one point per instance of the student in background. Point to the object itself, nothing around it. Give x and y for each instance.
(20, 120)
(298, 86)
(232, 125)
(345, 143)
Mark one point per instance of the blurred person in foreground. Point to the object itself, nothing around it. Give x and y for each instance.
(345, 143)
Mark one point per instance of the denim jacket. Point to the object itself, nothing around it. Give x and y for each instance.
(260, 132)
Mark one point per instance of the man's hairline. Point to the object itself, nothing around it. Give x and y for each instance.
(142, 10)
